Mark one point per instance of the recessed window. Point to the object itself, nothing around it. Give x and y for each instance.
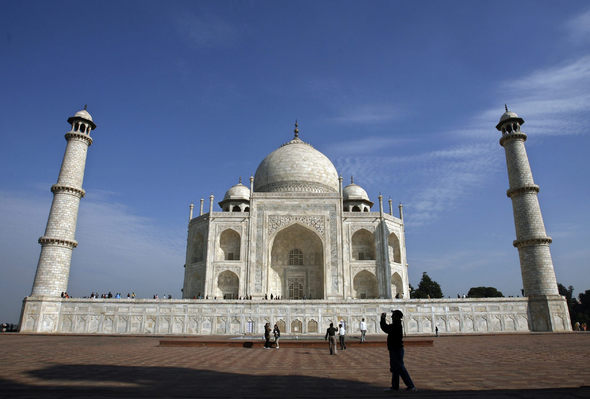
(296, 257)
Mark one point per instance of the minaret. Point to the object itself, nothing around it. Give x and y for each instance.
(57, 243)
(532, 242)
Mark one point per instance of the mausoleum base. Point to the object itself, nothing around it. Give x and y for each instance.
(235, 317)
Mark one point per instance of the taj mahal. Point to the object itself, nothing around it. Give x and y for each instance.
(296, 233)
(294, 247)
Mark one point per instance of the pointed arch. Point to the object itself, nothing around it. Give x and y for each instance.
(229, 245)
(363, 245)
(297, 263)
(397, 286)
(394, 248)
(365, 285)
(228, 284)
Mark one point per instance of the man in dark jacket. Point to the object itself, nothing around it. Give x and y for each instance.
(395, 346)
(331, 335)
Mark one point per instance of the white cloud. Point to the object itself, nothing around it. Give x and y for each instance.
(366, 145)
(553, 101)
(117, 251)
(438, 178)
(578, 27)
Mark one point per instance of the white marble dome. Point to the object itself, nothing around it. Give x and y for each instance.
(354, 192)
(237, 192)
(296, 166)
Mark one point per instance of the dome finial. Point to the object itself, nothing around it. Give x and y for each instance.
(351, 180)
(296, 131)
(85, 107)
(240, 180)
(506, 107)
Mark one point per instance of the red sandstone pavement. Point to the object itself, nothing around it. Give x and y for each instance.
(493, 366)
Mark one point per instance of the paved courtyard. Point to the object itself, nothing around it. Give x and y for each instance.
(515, 366)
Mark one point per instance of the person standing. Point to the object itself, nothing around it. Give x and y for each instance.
(267, 336)
(341, 335)
(277, 333)
(331, 335)
(395, 346)
(363, 328)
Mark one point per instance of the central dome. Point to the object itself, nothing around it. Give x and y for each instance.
(296, 166)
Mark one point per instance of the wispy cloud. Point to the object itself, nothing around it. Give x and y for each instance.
(366, 145)
(578, 27)
(206, 30)
(438, 178)
(368, 113)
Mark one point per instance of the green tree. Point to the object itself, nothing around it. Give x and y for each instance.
(568, 293)
(484, 292)
(428, 288)
(582, 308)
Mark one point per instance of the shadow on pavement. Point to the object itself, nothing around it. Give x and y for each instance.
(100, 381)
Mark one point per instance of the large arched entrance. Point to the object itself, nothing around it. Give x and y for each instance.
(297, 264)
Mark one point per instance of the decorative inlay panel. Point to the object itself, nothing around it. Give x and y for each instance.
(275, 222)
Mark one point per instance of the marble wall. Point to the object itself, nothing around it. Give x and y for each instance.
(234, 317)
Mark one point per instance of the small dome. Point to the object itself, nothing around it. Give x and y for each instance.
(507, 116)
(354, 192)
(237, 192)
(84, 114)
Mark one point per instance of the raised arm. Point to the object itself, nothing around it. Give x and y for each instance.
(384, 326)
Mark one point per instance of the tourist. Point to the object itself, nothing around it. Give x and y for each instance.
(436, 331)
(331, 335)
(395, 346)
(277, 333)
(267, 344)
(341, 334)
(363, 328)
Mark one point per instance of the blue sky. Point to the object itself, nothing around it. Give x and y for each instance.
(189, 96)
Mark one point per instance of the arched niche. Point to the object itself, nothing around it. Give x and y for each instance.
(296, 327)
(197, 248)
(229, 245)
(365, 285)
(397, 286)
(297, 264)
(363, 245)
(228, 284)
(395, 253)
(282, 325)
(312, 326)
